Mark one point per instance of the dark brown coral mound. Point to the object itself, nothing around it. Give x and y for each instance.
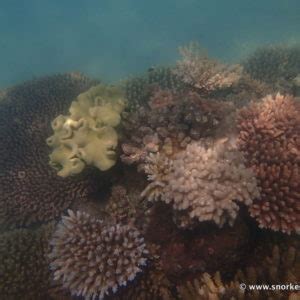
(93, 258)
(270, 140)
(24, 271)
(30, 190)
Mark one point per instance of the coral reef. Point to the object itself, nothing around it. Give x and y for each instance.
(92, 258)
(269, 138)
(202, 183)
(87, 136)
(275, 65)
(162, 233)
(24, 271)
(197, 70)
(30, 190)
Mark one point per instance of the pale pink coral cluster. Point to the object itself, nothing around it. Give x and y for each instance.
(202, 183)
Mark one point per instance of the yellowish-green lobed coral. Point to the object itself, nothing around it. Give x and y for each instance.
(87, 136)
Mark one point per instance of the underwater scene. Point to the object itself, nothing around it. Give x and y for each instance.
(150, 150)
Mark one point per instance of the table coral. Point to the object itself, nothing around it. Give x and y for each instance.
(93, 258)
(269, 138)
(30, 190)
(87, 136)
(202, 183)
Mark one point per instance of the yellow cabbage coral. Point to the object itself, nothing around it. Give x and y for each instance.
(87, 136)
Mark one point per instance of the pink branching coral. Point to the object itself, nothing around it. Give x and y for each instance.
(270, 140)
(92, 258)
(202, 183)
(196, 69)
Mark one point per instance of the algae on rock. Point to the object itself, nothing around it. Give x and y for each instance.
(87, 136)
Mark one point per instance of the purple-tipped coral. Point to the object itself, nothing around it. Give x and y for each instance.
(270, 140)
(202, 183)
(92, 258)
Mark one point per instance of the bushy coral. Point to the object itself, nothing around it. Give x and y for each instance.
(197, 70)
(202, 183)
(24, 272)
(275, 65)
(139, 89)
(169, 122)
(270, 140)
(30, 190)
(92, 258)
(87, 136)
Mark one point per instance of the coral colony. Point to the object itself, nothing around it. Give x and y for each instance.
(183, 183)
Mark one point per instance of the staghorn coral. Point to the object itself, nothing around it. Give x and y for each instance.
(202, 183)
(30, 190)
(87, 136)
(282, 267)
(92, 258)
(24, 272)
(276, 65)
(171, 123)
(269, 138)
(197, 70)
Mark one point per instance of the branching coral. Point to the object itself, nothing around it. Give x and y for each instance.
(281, 268)
(270, 140)
(197, 70)
(24, 272)
(202, 183)
(87, 136)
(92, 258)
(30, 190)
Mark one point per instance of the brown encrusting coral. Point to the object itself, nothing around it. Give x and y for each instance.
(92, 258)
(24, 271)
(30, 190)
(270, 140)
(202, 183)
